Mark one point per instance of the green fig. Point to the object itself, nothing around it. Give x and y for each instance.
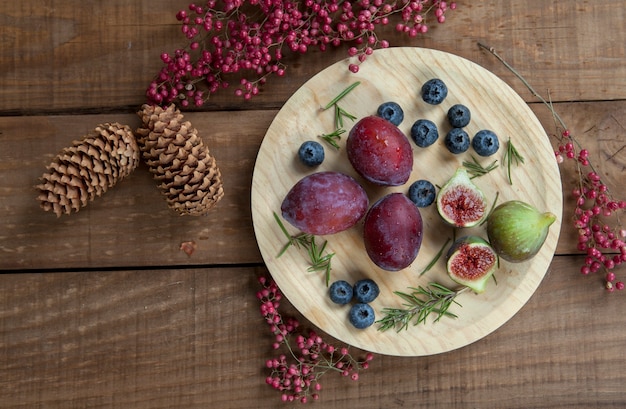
(471, 261)
(517, 230)
(460, 202)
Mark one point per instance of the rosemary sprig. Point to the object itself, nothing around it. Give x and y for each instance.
(319, 260)
(341, 113)
(420, 303)
(341, 95)
(493, 206)
(435, 259)
(475, 169)
(511, 154)
(333, 137)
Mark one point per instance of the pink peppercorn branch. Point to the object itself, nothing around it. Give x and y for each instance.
(597, 215)
(297, 372)
(249, 38)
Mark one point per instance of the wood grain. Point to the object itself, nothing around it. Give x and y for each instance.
(29, 144)
(159, 330)
(131, 224)
(105, 55)
(194, 338)
(397, 75)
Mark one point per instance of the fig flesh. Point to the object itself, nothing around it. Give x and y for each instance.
(460, 202)
(325, 203)
(471, 261)
(392, 232)
(517, 230)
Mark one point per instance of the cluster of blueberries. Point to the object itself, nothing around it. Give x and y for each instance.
(424, 133)
(363, 292)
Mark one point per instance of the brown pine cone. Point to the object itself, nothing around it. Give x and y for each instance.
(85, 170)
(171, 147)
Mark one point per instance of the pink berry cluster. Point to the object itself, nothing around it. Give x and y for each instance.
(604, 244)
(296, 374)
(249, 39)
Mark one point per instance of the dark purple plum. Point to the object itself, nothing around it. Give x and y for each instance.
(392, 232)
(380, 152)
(325, 203)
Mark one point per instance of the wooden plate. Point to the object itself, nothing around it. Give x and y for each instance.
(397, 74)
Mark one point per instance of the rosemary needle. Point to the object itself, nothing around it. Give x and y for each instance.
(341, 95)
(319, 261)
(475, 169)
(434, 260)
(512, 155)
(333, 137)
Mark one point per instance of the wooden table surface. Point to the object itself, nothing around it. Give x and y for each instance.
(102, 309)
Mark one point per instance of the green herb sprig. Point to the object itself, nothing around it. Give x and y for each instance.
(419, 304)
(476, 169)
(340, 115)
(511, 154)
(435, 259)
(333, 137)
(319, 261)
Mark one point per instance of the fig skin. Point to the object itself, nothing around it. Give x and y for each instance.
(517, 230)
(392, 232)
(460, 203)
(478, 261)
(325, 203)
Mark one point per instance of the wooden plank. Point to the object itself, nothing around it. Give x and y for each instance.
(537, 183)
(194, 338)
(130, 224)
(103, 57)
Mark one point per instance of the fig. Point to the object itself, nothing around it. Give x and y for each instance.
(392, 232)
(517, 230)
(471, 261)
(325, 203)
(460, 202)
(380, 152)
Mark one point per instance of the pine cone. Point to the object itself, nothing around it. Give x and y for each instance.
(88, 168)
(189, 176)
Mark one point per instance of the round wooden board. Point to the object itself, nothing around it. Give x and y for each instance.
(397, 74)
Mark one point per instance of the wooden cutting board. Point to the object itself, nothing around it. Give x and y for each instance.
(397, 74)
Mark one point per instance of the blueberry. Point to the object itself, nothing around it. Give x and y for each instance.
(361, 315)
(392, 112)
(485, 143)
(457, 140)
(365, 290)
(340, 292)
(422, 193)
(311, 153)
(434, 91)
(459, 116)
(424, 133)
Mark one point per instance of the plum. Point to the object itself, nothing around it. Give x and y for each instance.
(392, 232)
(325, 203)
(380, 152)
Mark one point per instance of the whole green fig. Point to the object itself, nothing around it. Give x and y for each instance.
(517, 230)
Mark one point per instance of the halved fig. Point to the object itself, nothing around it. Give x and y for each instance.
(471, 261)
(460, 202)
